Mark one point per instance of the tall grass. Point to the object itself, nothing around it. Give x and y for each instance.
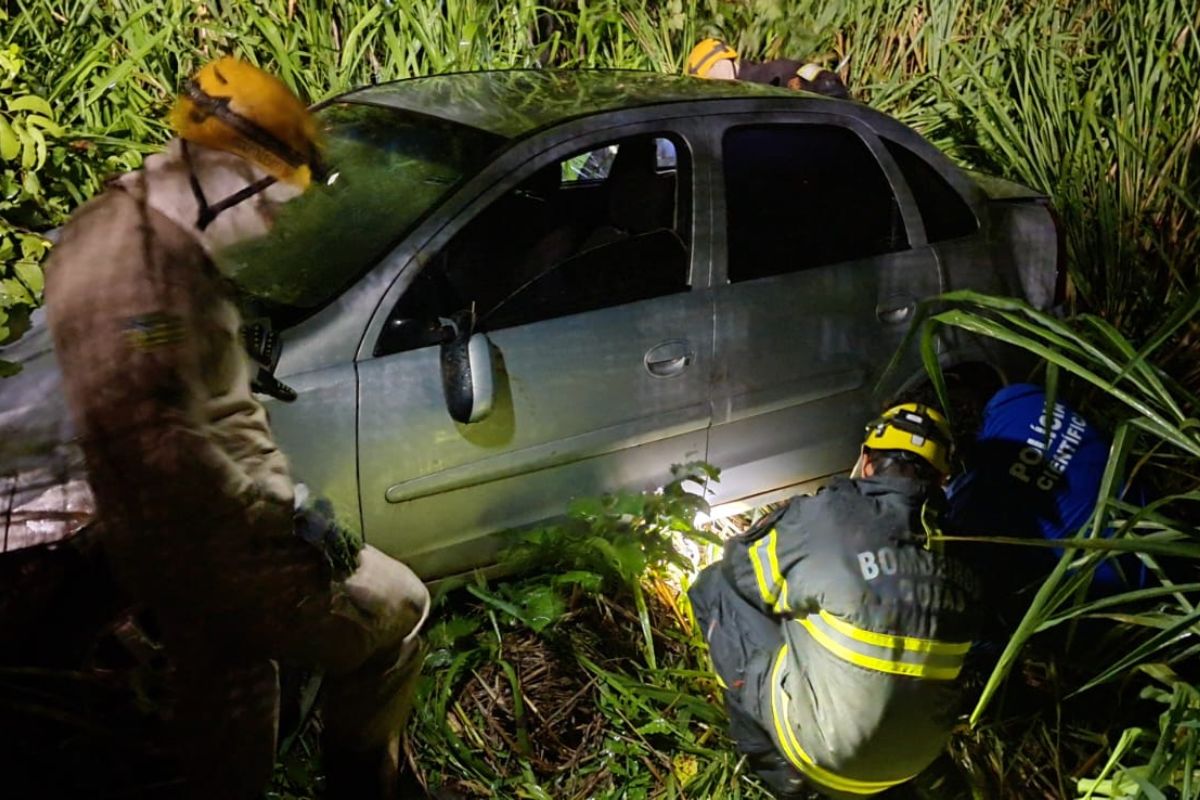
(1156, 442)
(1092, 102)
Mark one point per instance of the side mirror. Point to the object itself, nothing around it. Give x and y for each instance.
(468, 375)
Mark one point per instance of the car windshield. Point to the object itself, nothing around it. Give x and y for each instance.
(388, 169)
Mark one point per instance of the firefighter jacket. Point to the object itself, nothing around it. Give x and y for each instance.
(862, 692)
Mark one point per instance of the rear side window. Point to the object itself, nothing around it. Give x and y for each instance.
(944, 212)
(803, 196)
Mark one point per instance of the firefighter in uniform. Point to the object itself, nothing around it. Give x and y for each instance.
(715, 60)
(837, 634)
(202, 522)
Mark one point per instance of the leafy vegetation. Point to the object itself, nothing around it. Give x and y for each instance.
(586, 678)
(1144, 637)
(582, 675)
(1091, 102)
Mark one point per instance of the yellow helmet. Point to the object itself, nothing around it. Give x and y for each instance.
(233, 105)
(914, 428)
(707, 54)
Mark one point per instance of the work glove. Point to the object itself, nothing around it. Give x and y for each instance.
(314, 521)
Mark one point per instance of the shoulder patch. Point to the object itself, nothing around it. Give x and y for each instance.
(152, 331)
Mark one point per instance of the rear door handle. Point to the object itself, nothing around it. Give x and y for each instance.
(668, 358)
(892, 314)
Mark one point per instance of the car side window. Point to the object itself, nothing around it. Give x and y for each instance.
(945, 213)
(595, 164)
(559, 244)
(803, 196)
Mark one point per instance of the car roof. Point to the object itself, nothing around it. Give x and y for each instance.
(514, 103)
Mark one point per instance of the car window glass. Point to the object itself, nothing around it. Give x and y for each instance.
(595, 164)
(549, 248)
(389, 169)
(802, 196)
(944, 212)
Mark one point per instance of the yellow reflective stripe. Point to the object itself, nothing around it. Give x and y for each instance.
(779, 712)
(915, 670)
(801, 760)
(776, 575)
(911, 643)
(771, 584)
(772, 543)
(781, 605)
(768, 595)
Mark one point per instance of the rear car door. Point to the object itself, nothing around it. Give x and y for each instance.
(579, 268)
(824, 262)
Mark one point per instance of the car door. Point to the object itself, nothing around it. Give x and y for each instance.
(581, 273)
(824, 262)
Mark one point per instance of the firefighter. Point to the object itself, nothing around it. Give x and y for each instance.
(203, 523)
(716, 60)
(836, 632)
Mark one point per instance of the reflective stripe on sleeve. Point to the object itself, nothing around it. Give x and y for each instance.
(881, 652)
(771, 583)
(801, 760)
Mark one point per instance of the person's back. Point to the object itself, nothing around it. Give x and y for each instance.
(1028, 479)
(879, 627)
(839, 635)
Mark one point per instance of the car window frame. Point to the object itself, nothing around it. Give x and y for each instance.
(949, 176)
(914, 225)
(542, 150)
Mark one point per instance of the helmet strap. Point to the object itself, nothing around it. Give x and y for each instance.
(207, 213)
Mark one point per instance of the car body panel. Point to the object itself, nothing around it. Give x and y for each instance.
(515, 103)
(577, 407)
(44, 495)
(550, 435)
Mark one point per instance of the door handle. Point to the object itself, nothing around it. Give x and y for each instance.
(668, 358)
(893, 315)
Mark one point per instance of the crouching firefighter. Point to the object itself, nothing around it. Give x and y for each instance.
(837, 634)
(201, 520)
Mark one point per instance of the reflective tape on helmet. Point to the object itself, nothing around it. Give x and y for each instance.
(809, 71)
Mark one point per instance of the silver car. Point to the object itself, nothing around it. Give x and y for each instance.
(521, 287)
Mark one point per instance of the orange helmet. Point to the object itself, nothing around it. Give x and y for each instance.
(233, 105)
(707, 54)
